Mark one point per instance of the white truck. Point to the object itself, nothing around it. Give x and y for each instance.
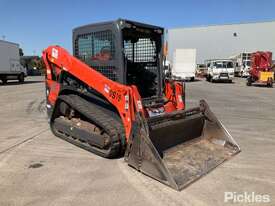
(219, 70)
(10, 67)
(184, 64)
(242, 64)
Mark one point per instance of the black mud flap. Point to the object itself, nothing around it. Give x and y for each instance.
(177, 150)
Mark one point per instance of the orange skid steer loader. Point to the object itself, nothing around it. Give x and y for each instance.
(111, 98)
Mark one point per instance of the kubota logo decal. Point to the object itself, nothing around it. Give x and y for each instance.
(55, 53)
(106, 88)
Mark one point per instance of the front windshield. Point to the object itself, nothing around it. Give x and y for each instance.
(223, 64)
(247, 63)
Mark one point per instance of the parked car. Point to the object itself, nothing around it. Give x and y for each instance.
(220, 70)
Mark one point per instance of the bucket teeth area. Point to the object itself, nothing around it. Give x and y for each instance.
(191, 160)
(179, 151)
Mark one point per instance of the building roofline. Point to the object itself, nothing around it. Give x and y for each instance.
(9, 42)
(228, 24)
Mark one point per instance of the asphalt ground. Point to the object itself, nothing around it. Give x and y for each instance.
(37, 168)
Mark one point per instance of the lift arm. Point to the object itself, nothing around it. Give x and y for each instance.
(126, 99)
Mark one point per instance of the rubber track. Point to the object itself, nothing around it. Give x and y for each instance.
(100, 117)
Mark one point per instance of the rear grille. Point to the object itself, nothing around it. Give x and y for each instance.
(224, 74)
(144, 50)
(107, 71)
(92, 49)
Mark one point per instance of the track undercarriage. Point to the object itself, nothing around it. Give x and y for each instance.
(88, 126)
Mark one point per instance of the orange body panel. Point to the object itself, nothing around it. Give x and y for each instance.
(125, 98)
(174, 92)
(121, 96)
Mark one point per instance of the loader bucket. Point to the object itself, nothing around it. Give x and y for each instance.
(177, 149)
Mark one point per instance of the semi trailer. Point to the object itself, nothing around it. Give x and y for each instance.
(10, 67)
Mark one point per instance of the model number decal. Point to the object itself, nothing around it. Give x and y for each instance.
(115, 95)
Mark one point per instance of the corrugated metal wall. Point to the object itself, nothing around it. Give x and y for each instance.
(223, 41)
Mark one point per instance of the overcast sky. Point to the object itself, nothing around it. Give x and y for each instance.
(36, 24)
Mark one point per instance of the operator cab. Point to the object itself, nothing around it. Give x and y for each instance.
(124, 51)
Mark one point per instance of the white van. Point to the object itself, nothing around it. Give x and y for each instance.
(220, 70)
(10, 67)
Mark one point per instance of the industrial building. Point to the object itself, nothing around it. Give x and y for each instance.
(223, 41)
